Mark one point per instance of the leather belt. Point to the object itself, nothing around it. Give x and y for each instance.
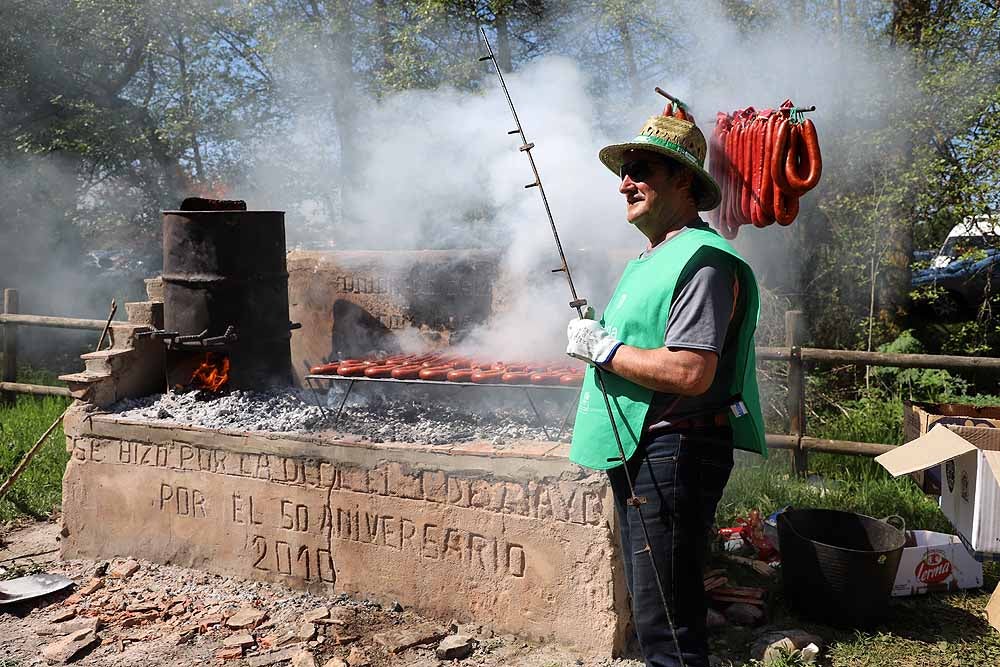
(701, 421)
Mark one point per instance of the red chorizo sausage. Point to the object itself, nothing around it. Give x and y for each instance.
(786, 207)
(354, 370)
(780, 158)
(766, 182)
(486, 376)
(803, 171)
(756, 144)
(325, 369)
(737, 174)
(571, 379)
(379, 371)
(396, 360)
(516, 378)
(730, 177)
(746, 176)
(545, 378)
(435, 373)
(411, 372)
(460, 375)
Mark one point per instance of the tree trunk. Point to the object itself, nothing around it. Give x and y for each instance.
(631, 70)
(384, 38)
(504, 58)
(188, 106)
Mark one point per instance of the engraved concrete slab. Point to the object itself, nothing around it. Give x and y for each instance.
(523, 545)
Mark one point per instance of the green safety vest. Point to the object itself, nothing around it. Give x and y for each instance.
(637, 315)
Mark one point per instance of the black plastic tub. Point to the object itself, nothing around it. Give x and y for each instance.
(838, 567)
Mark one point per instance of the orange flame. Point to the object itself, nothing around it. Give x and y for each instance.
(212, 374)
(210, 189)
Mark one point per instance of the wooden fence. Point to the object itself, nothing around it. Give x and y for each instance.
(793, 354)
(797, 357)
(11, 320)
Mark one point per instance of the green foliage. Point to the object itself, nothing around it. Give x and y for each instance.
(872, 418)
(916, 384)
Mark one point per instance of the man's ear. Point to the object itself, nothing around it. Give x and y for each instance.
(685, 181)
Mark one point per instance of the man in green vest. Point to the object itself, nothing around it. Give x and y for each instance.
(676, 352)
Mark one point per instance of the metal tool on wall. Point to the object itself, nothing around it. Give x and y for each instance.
(578, 304)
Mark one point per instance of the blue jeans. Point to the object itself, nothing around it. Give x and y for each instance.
(681, 475)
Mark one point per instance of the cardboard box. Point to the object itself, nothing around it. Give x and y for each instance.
(993, 609)
(969, 457)
(933, 562)
(919, 418)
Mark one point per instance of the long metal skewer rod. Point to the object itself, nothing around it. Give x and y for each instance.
(578, 303)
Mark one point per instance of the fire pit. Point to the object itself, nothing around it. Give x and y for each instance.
(454, 502)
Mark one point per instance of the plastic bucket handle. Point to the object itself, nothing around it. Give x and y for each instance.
(895, 517)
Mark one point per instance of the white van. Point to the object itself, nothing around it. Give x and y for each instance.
(975, 232)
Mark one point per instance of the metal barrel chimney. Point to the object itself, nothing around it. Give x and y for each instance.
(226, 289)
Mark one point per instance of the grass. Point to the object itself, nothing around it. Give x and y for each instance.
(39, 490)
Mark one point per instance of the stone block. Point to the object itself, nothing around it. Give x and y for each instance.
(148, 313)
(124, 334)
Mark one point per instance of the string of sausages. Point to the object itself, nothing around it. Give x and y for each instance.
(452, 368)
(763, 162)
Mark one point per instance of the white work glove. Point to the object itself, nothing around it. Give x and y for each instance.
(590, 342)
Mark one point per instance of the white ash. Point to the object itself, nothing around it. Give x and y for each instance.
(376, 414)
(282, 411)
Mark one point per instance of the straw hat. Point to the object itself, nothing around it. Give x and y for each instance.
(677, 139)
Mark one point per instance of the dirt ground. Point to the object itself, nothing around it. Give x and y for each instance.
(165, 615)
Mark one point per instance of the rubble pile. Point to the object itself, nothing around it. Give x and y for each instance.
(133, 608)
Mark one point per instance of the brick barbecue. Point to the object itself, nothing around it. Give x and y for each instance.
(510, 535)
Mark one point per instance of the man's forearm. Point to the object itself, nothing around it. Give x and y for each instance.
(683, 372)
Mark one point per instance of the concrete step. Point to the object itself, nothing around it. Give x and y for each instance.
(87, 384)
(86, 376)
(123, 334)
(107, 361)
(148, 313)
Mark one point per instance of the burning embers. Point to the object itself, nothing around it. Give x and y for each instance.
(212, 374)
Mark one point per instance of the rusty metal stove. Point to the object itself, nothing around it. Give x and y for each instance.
(225, 293)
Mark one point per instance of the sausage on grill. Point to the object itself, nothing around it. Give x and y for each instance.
(460, 375)
(571, 380)
(486, 376)
(516, 378)
(325, 369)
(435, 373)
(411, 372)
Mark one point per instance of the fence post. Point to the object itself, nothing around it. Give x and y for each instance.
(794, 330)
(9, 371)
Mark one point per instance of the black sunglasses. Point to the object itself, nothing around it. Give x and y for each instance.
(637, 170)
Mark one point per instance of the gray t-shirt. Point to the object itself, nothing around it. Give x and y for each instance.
(706, 300)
